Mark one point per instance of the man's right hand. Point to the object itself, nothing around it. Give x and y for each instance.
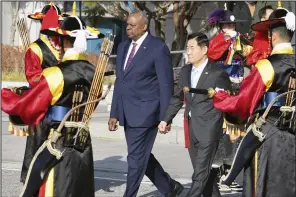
(162, 127)
(112, 123)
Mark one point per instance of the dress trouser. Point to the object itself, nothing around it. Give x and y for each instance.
(141, 161)
(202, 154)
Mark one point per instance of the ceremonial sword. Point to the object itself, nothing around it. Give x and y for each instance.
(210, 92)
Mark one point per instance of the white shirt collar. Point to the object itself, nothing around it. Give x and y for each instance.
(201, 67)
(141, 39)
(281, 46)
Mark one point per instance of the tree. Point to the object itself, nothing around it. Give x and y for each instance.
(158, 15)
(94, 11)
(14, 13)
(182, 14)
(158, 12)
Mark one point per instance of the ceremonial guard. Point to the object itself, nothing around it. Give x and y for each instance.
(261, 46)
(48, 101)
(45, 51)
(41, 54)
(228, 49)
(271, 132)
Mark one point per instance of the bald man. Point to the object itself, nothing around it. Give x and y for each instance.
(142, 90)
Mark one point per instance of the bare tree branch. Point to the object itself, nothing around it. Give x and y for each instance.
(183, 12)
(14, 13)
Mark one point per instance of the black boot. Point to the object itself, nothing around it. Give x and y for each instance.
(178, 188)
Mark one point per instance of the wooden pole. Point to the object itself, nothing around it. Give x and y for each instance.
(97, 81)
(96, 87)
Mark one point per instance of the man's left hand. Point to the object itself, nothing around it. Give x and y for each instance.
(163, 127)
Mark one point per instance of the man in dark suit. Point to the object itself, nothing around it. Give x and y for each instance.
(143, 88)
(205, 122)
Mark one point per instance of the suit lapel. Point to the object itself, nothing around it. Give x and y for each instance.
(189, 75)
(124, 55)
(140, 53)
(203, 77)
(188, 79)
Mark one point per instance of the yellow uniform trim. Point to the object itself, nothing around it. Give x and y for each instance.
(74, 9)
(224, 126)
(36, 49)
(53, 50)
(286, 50)
(255, 171)
(74, 56)
(247, 49)
(49, 184)
(93, 30)
(55, 80)
(266, 71)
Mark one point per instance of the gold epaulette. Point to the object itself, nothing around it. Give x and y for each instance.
(18, 130)
(235, 131)
(37, 50)
(247, 50)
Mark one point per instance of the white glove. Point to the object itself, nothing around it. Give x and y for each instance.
(232, 33)
(219, 89)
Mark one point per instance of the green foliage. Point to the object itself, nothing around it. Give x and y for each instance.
(93, 11)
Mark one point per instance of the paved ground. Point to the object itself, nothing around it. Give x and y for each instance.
(109, 160)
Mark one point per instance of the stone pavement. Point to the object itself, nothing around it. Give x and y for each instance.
(109, 156)
(109, 149)
(110, 165)
(99, 128)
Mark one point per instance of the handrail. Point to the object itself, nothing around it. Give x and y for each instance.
(182, 51)
(172, 52)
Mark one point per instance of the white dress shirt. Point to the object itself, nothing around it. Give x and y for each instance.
(195, 75)
(139, 42)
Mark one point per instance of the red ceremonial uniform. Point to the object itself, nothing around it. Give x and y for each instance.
(218, 46)
(40, 55)
(261, 48)
(256, 84)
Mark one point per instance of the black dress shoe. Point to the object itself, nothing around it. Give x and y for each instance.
(178, 188)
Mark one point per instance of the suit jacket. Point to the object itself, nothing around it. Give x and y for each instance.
(207, 121)
(142, 92)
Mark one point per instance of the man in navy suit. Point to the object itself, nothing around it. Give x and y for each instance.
(143, 88)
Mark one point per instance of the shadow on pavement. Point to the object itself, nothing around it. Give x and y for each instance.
(113, 179)
(108, 180)
(185, 191)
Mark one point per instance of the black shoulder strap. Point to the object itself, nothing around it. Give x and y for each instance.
(48, 57)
